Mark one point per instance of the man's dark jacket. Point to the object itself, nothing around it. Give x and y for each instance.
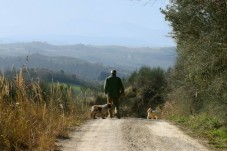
(113, 86)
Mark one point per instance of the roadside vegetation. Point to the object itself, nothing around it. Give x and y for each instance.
(197, 85)
(33, 114)
(145, 89)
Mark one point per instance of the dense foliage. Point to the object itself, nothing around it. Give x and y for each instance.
(198, 83)
(145, 89)
(200, 30)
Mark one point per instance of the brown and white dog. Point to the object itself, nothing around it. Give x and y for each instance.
(152, 114)
(101, 109)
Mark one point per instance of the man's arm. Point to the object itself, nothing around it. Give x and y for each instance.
(121, 87)
(105, 86)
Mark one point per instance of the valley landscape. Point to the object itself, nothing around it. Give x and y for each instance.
(86, 61)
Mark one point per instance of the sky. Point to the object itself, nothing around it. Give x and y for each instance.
(133, 23)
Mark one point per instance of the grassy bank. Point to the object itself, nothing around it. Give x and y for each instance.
(33, 115)
(204, 126)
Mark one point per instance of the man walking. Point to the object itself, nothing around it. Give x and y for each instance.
(113, 88)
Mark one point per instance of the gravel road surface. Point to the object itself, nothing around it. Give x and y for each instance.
(129, 134)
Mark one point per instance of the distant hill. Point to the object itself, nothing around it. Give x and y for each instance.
(85, 60)
(69, 65)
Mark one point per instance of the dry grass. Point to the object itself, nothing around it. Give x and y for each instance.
(31, 118)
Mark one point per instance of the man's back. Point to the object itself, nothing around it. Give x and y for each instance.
(113, 86)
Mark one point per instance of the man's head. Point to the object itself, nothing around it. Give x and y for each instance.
(113, 72)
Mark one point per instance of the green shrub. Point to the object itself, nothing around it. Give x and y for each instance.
(146, 89)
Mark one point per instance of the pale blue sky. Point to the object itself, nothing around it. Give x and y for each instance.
(95, 22)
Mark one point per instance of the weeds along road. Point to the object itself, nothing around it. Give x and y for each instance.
(129, 134)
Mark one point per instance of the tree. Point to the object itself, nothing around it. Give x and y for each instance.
(200, 30)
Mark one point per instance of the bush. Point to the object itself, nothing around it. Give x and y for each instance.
(146, 89)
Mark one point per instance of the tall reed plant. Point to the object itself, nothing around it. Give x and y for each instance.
(34, 114)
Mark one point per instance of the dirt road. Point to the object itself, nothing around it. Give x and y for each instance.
(130, 134)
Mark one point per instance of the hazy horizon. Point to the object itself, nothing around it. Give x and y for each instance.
(99, 22)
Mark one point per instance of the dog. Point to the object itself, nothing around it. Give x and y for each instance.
(101, 109)
(152, 114)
